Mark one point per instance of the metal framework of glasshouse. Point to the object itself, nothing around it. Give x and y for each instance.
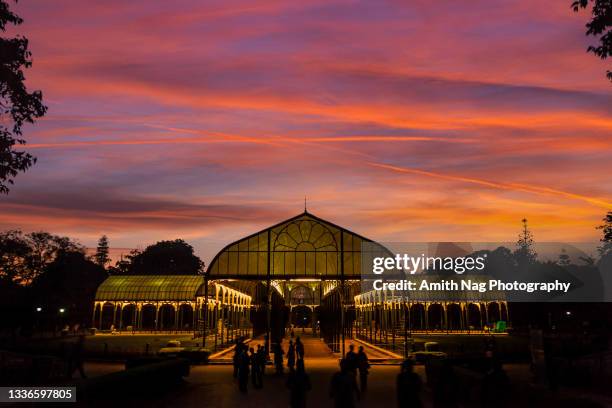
(304, 264)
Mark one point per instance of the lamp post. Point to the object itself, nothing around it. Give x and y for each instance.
(61, 314)
(38, 310)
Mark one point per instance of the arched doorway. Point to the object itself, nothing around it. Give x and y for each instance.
(108, 311)
(166, 317)
(148, 315)
(474, 317)
(493, 311)
(453, 315)
(185, 317)
(301, 316)
(435, 317)
(417, 316)
(128, 316)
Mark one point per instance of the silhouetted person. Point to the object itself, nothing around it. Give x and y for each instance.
(291, 356)
(255, 369)
(408, 387)
(445, 388)
(262, 359)
(363, 364)
(351, 359)
(343, 388)
(299, 348)
(236, 357)
(278, 357)
(299, 385)
(75, 358)
(243, 370)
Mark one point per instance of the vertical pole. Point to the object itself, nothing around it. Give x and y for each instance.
(406, 320)
(121, 317)
(268, 300)
(214, 324)
(342, 289)
(101, 309)
(205, 306)
(93, 316)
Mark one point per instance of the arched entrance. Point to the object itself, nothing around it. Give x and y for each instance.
(474, 317)
(185, 317)
(453, 315)
(108, 311)
(128, 316)
(148, 317)
(301, 316)
(493, 312)
(435, 317)
(166, 317)
(417, 316)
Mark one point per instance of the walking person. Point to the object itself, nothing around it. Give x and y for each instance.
(363, 364)
(255, 369)
(278, 357)
(343, 388)
(236, 357)
(351, 359)
(291, 356)
(299, 348)
(408, 387)
(299, 385)
(261, 359)
(243, 370)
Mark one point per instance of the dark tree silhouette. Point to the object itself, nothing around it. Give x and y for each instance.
(601, 23)
(23, 257)
(165, 258)
(606, 240)
(101, 256)
(69, 282)
(14, 257)
(17, 105)
(524, 253)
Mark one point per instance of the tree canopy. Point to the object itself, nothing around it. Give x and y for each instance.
(101, 257)
(163, 258)
(70, 282)
(23, 257)
(17, 105)
(599, 25)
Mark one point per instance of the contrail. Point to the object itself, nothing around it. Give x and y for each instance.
(498, 185)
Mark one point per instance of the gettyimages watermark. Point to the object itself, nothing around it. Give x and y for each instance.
(481, 272)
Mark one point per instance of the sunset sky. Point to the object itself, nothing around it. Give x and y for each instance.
(402, 121)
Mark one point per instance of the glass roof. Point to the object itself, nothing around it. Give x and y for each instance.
(150, 288)
(304, 246)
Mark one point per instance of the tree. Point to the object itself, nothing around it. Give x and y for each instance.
(14, 254)
(600, 23)
(23, 257)
(101, 257)
(70, 282)
(166, 258)
(46, 247)
(17, 105)
(524, 253)
(606, 240)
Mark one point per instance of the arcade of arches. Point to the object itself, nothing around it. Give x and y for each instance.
(304, 272)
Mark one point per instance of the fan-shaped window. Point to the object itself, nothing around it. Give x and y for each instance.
(304, 246)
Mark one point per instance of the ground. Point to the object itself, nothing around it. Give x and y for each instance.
(214, 386)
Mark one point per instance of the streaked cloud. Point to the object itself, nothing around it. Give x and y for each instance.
(210, 120)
